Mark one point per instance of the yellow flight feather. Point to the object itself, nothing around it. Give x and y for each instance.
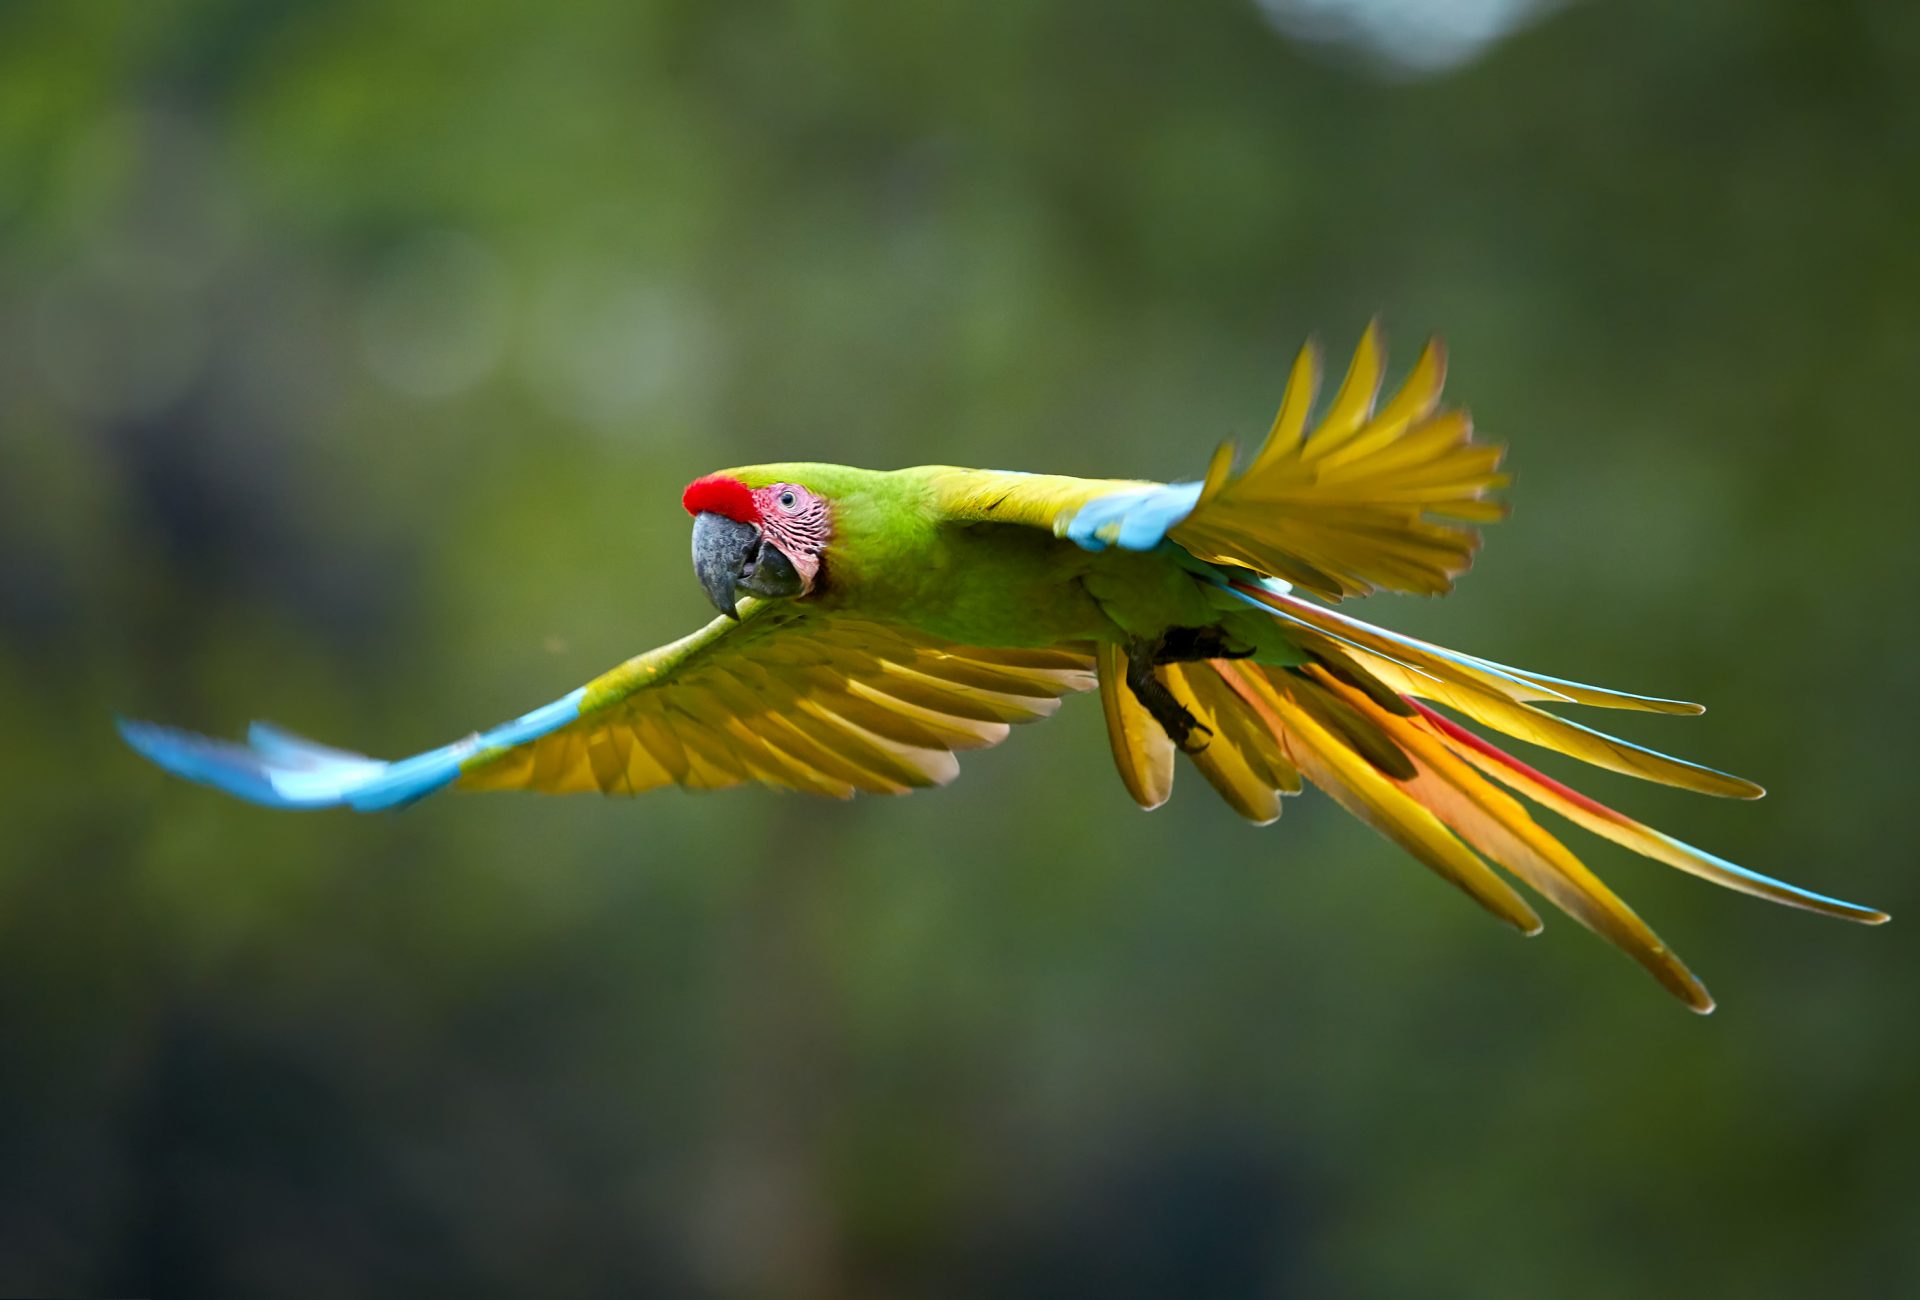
(1141, 750)
(794, 700)
(1369, 500)
(1296, 404)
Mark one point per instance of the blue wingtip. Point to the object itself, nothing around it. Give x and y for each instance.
(278, 745)
(278, 769)
(235, 769)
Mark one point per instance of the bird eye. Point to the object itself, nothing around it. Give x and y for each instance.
(786, 500)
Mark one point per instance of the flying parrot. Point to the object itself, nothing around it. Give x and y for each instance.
(873, 623)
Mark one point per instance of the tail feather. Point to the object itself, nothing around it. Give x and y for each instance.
(1599, 697)
(1330, 661)
(1521, 685)
(1550, 731)
(1498, 697)
(1423, 658)
(1592, 815)
(1353, 722)
(1349, 725)
(1498, 826)
(1370, 795)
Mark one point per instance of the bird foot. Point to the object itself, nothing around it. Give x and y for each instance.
(1159, 702)
(1185, 645)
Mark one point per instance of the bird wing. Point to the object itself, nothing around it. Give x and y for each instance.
(1376, 497)
(786, 696)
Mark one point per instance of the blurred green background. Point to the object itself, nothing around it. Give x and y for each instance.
(352, 357)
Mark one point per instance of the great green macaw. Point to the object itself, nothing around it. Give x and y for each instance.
(894, 617)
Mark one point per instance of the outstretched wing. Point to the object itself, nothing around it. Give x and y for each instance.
(785, 697)
(791, 698)
(1374, 498)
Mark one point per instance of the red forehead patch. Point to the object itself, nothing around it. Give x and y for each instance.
(721, 495)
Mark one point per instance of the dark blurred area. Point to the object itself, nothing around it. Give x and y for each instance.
(352, 357)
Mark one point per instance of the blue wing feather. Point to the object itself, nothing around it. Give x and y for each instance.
(278, 769)
(1137, 519)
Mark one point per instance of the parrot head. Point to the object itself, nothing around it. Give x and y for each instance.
(763, 540)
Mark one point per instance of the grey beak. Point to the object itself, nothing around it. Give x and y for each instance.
(723, 554)
(730, 557)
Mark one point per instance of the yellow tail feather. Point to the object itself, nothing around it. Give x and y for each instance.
(1498, 825)
(1370, 795)
(1422, 780)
